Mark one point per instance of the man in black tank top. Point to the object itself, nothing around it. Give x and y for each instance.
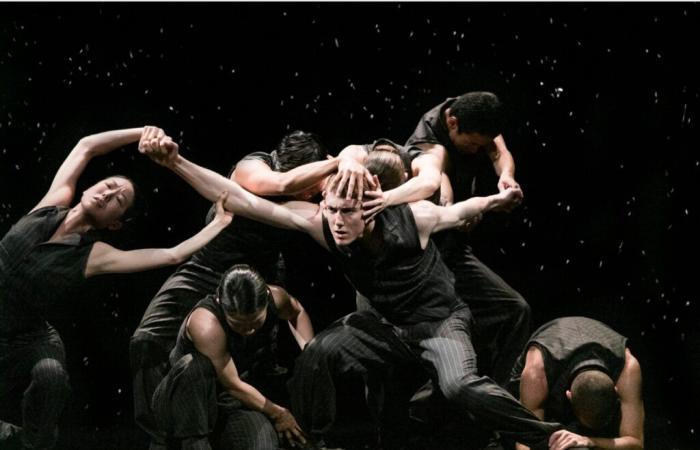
(416, 317)
(209, 398)
(578, 371)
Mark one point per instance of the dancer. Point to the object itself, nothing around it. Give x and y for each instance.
(45, 257)
(578, 371)
(224, 349)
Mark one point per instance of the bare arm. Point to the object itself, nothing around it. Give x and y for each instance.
(104, 258)
(210, 339)
(503, 163)
(62, 189)
(291, 310)
(533, 385)
(431, 218)
(259, 178)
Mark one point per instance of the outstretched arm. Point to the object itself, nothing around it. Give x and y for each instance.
(210, 340)
(62, 189)
(291, 310)
(106, 259)
(534, 389)
(503, 163)
(431, 218)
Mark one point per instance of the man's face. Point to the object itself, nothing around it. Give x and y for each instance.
(344, 218)
(468, 143)
(247, 325)
(106, 201)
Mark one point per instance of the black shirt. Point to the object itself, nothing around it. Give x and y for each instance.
(36, 275)
(463, 168)
(404, 283)
(249, 353)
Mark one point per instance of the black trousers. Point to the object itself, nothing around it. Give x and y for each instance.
(34, 381)
(364, 343)
(502, 316)
(195, 416)
(150, 348)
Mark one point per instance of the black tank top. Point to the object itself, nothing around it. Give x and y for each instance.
(569, 345)
(405, 283)
(250, 353)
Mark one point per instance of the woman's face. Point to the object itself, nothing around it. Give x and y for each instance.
(247, 325)
(106, 201)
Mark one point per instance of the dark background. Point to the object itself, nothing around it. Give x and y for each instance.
(603, 104)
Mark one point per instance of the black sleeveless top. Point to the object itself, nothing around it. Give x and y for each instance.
(250, 353)
(570, 345)
(36, 275)
(404, 283)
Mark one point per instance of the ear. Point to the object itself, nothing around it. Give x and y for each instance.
(451, 122)
(404, 176)
(114, 226)
(568, 394)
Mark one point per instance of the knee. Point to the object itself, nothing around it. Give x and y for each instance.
(520, 309)
(194, 365)
(49, 375)
(460, 389)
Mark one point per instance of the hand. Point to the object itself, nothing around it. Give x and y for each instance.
(508, 199)
(288, 428)
(222, 215)
(158, 146)
(506, 181)
(379, 201)
(563, 439)
(354, 174)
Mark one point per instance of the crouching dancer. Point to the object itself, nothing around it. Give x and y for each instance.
(224, 346)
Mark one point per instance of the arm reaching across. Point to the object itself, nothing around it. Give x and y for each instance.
(293, 312)
(107, 259)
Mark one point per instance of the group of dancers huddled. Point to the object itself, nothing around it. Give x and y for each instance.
(395, 219)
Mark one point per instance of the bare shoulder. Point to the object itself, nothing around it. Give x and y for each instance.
(203, 327)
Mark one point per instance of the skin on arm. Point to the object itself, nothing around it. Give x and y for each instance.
(209, 339)
(62, 189)
(431, 218)
(533, 385)
(503, 163)
(289, 309)
(259, 178)
(104, 258)
(352, 171)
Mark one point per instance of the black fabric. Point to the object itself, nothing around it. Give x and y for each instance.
(195, 413)
(462, 168)
(253, 353)
(569, 345)
(405, 283)
(366, 344)
(37, 275)
(243, 242)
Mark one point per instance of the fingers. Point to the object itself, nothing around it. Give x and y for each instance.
(369, 214)
(351, 186)
(341, 184)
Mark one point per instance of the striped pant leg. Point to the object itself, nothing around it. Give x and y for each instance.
(355, 344)
(37, 359)
(448, 349)
(239, 428)
(185, 402)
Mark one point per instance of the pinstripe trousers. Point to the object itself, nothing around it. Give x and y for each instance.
(33, 379)
(364, 343)
(196, 414)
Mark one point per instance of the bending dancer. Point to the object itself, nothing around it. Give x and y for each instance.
(463, 135)
(44, 258)
(579, 371)
(416, 316)
(224, 348)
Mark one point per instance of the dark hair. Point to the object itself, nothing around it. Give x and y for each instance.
(478, 112)
(297, 148)
(242, 291)
(387, 166)
(593, 398)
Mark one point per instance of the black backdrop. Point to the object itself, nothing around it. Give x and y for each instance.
(603, 103)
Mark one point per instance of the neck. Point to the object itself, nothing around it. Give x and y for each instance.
(75, 222)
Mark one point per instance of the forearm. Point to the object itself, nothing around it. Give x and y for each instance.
(210, 184)
(105, 142)
(186, 248)
(254, 399)
(303, 177)
(302, 329)
(503, 162)
(415, 189)
(620, 443)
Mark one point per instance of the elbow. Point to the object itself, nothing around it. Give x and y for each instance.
(430, 186)
(173, 257)
(87, 145)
